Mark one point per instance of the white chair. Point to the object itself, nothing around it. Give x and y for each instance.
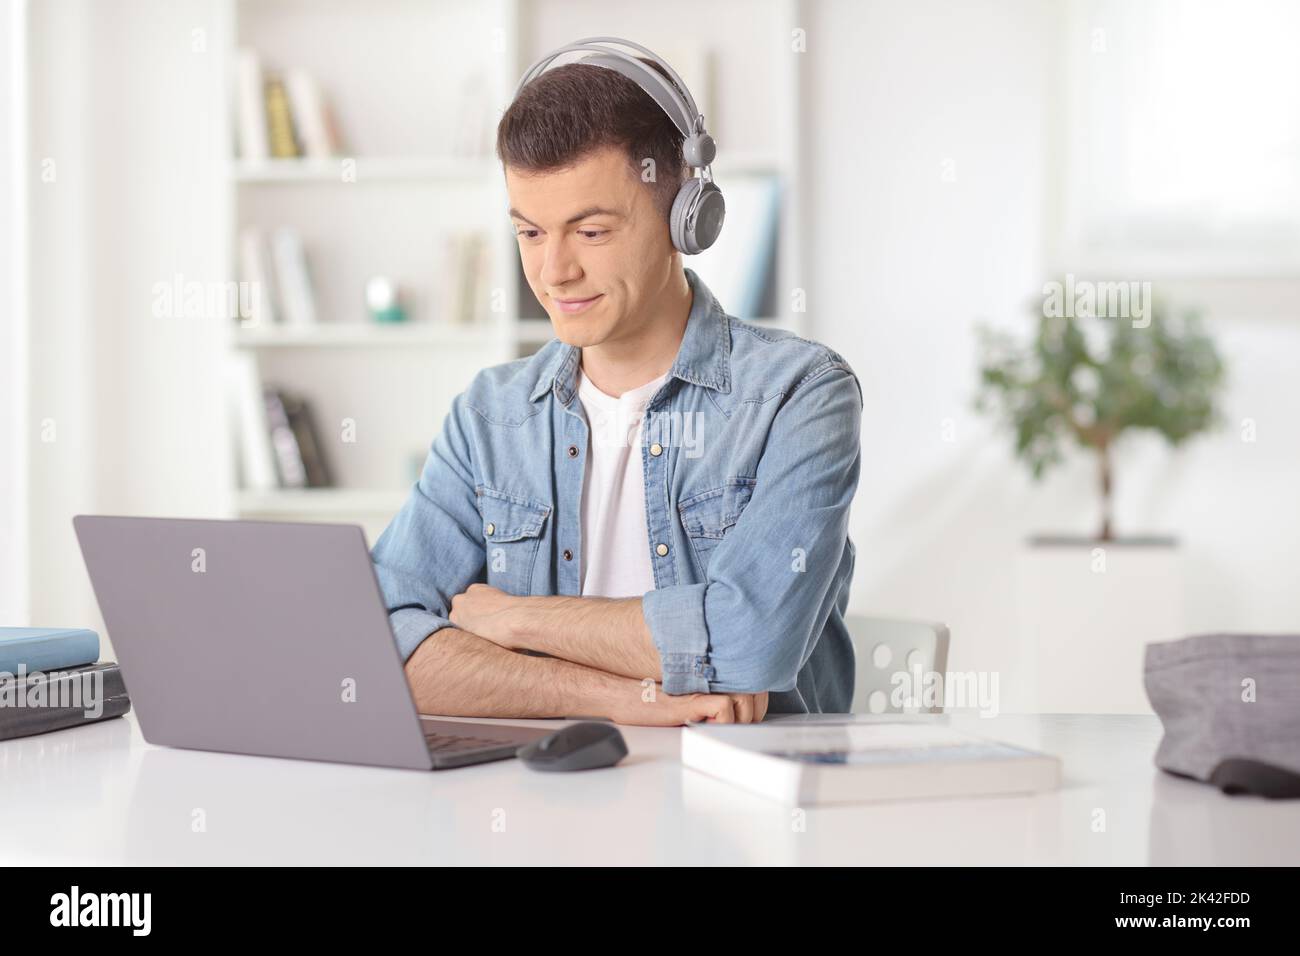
(893, 659)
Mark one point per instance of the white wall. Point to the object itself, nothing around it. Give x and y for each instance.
(13, 330)
(60, 330)
(127, 116)
(902, 264)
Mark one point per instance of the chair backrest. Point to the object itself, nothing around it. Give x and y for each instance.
(893, 659)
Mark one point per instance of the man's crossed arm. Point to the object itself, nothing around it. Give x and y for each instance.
(609, 634)
(473, 668)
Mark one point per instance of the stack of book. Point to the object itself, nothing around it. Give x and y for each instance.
(279, 445)
(281, 115)
(51, 678)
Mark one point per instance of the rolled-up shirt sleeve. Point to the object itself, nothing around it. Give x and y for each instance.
(774, 578)
(432, 550)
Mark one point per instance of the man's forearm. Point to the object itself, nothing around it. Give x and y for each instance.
(457, 674)
(609, 634)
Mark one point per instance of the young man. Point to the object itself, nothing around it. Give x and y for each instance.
(646, 520)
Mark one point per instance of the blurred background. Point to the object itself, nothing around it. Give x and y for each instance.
(250, 250)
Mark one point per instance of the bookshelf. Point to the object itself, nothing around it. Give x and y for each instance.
(404, 193)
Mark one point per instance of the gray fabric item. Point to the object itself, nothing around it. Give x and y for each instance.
(1199, 686)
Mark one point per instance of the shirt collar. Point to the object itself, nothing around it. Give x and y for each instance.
(703, 358)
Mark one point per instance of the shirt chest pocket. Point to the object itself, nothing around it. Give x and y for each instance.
(512, 531)
(707, 517)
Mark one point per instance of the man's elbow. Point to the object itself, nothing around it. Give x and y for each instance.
(770, 673)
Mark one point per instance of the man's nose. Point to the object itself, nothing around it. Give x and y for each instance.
(559, 267)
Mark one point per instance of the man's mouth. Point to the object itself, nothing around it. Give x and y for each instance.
(572, 306)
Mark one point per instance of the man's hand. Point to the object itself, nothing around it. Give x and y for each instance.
(666, 710)
(488, 612)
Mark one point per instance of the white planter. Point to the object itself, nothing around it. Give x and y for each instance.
(1087, 611)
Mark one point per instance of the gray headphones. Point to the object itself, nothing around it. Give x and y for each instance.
(698, 209)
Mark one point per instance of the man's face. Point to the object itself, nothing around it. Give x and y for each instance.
(591, 232)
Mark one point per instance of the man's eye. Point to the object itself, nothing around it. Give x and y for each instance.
(592, 234)
(527, 233)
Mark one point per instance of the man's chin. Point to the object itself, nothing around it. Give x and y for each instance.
(573, 331)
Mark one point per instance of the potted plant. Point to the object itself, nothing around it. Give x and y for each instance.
(1088, 606)
(1090, 380)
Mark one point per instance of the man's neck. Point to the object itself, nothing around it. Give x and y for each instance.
(626, 363)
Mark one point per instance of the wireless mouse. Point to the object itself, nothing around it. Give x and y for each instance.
(583, 746)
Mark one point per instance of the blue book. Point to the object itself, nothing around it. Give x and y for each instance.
(46, 648)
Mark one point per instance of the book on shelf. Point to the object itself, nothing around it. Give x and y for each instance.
(251, 113)
(281, 114)
(278, 444)
(465, 290)
(293, 284)
(295, 441)
(310, 119)
(255, 269)
(855, 759)
(282, 291)
(310, 446)
(279, 124)
(252, 433)
(290, 467)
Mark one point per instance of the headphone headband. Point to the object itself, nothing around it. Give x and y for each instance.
(680, 105)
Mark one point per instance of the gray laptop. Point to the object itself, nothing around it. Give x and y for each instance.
(268, 638)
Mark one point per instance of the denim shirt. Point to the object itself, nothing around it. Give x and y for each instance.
(750, 453)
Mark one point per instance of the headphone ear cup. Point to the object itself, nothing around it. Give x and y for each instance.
(710, 210)
(709, 213)
(677, 219)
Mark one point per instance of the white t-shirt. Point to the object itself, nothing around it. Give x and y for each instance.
(615, 542)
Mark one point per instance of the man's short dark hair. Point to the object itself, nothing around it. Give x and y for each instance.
(573, 110)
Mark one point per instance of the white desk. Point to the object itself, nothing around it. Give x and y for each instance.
(100, 794)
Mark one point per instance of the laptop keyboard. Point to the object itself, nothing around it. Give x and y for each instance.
(449, 744)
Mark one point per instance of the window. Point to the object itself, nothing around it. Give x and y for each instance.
(1182, 135)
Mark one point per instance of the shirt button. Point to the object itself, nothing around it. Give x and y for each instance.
(573, 451)
(656, 449)
(568, 555)
(491, 527)
(661, 549)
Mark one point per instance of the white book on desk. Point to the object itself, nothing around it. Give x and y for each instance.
(857, 761)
